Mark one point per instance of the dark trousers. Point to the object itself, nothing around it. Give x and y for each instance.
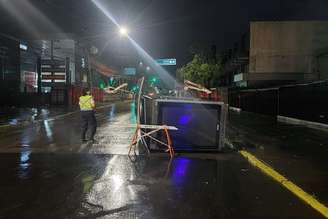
(88, 121)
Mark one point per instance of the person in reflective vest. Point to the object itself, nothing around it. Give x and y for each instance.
(87, 107)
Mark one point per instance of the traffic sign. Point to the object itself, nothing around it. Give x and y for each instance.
(166, 61)
(129, 71)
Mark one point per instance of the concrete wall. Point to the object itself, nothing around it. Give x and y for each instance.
(288, 50)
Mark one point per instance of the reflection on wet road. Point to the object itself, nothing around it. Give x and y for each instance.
(12, 116)
(116, 186)
(47, 173)
(113, 137)
(63, 134)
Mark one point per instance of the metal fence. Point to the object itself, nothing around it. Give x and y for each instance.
(300, 101)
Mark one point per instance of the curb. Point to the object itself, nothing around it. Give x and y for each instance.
(294, 121)
(235, 109)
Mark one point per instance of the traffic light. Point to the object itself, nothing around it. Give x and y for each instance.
(153, 80)
(135, 89)
(111, 81)
(101, 84)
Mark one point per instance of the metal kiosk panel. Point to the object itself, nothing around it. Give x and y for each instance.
(201, 124)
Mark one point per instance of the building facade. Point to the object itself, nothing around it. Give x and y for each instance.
(50, 66)
(285, 52)
(288, 51)
(9, 65)
(236, 63)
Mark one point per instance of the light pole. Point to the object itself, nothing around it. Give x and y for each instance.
(124, 33)
(93, 51)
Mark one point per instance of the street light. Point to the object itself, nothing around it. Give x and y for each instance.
(148, 68)
(92, 52)
(124, 31)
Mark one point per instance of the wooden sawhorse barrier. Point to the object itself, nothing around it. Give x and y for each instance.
(140, 135)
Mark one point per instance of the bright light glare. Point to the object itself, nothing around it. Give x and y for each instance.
(25, 13)
(124, 31)
(163, 74)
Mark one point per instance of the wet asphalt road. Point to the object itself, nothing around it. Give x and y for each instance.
(63, 134)
(298, 152)
(47, 173)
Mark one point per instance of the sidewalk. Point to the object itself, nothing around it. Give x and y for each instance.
(297, 152)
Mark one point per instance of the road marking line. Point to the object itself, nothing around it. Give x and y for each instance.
(307, 198)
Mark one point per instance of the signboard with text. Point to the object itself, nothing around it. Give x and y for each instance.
(166, 61)
(54, 69)
(130, 71)
(53, 77)
(238, 77)
(53, 72)
(30, 78)
(53, 62)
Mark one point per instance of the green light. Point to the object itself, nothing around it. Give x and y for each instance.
(101, 84)
(111, 81)
(153, 80)
(135, 89)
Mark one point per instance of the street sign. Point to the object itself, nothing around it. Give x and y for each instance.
(23, 46)
(129, 71)
(238, 77)
(166, 61)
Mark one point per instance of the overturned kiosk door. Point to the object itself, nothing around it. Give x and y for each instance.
(201, 124)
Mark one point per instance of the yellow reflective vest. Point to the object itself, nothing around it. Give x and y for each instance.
(86, 103)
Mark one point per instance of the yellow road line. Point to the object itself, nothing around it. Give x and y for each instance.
(307, 198)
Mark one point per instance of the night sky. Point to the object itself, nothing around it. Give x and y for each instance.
(162, 28)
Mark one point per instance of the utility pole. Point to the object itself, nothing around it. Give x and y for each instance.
(90, 69)
(92, 51)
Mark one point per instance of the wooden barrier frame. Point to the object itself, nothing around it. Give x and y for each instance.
(140, 134)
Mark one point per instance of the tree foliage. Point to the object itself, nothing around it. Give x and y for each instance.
(201, 70)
